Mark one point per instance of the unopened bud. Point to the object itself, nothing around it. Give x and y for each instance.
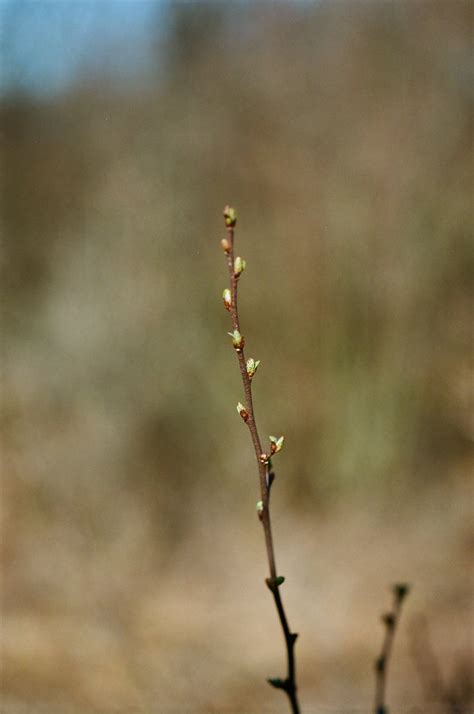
(239, 265)
(259, 507)
(263, 458)
(252, 366)
(227, 297)
(276, 444)
(230, 216)
(242, 411)
(389, 619)
(225, 245)
(401, 590)
(273, 583)
(237, 339)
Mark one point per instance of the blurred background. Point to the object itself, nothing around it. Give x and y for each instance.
(132, 558)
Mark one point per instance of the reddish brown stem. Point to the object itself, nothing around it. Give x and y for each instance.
(289, 684)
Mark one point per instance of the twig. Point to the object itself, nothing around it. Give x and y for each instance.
(390, 620)
(266, 475)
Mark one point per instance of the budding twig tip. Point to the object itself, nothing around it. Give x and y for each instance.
(230, 216)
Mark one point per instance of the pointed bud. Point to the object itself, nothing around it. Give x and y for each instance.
(260, 509)
(239, 266)
(227, 297)
(242, 411)
(252, 366)
(401, 590)
(278, 683)
(276, 444)
(230, 216)
(237, 339)
(225, 245)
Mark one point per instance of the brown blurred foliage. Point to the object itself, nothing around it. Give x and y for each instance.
(132, 559)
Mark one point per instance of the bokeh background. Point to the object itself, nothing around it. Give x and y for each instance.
(132, 559)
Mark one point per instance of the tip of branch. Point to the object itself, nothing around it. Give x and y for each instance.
(401, 590)
(230, 216)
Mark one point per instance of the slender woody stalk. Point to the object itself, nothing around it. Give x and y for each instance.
(266, 475)
(390, 620)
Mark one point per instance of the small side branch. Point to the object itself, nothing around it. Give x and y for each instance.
(236, 266)
(390, 620)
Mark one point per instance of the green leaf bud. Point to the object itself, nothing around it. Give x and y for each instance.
(239, 266)
(227, 297)
(252, 366)
(230, 216)
(237, 339)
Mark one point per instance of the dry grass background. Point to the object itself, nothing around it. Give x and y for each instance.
(132, 559)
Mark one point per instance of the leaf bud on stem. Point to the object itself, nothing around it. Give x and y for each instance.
(227, 297)
(239, 266)
(237, 340)
(242, 411)
(252, 366)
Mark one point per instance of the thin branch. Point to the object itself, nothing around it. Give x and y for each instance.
(265, 471)
(390, 620)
